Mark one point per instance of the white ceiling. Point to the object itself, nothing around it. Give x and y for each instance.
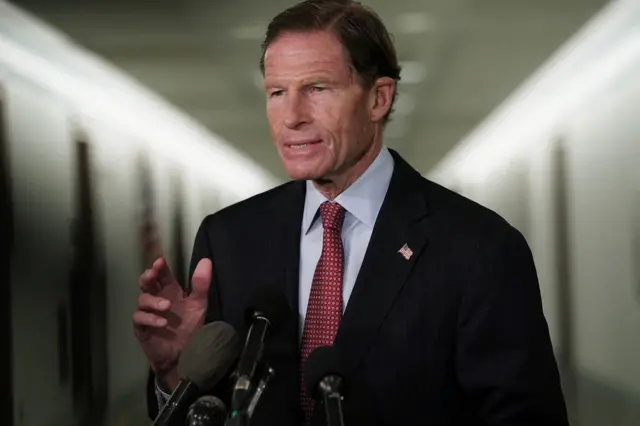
(463, 57)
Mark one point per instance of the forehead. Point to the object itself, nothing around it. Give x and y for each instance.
(305, 52)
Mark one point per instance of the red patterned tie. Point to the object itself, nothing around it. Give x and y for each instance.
(324, 310)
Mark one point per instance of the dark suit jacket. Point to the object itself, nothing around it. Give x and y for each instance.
(453, 336)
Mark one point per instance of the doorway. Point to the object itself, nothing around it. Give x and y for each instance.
(87, 296)
(563, 266)
(179, 256)
(149, 233)
(6, 242)
(563, 273)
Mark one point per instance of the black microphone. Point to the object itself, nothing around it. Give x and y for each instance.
(207, 411)
(324, 377)
(242, 416)
(205, 360)
(267, 310)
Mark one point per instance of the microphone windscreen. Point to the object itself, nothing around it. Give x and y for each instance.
(209, 354)
(207, 411)
(270, 302)
(322, 362)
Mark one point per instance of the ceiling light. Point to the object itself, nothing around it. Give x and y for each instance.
(396, 128)
(103, 91)
(258, 80)
(405, 104)
(412, 72)
(572, 77)
(249, 32)
(414, 23)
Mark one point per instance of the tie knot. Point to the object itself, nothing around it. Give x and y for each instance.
(332, 215)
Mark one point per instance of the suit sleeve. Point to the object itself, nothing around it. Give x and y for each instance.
(201, 249)
(505, 359)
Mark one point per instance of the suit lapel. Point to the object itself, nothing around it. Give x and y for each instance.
(384, 269)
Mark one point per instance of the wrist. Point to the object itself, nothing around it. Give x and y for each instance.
(168, 380)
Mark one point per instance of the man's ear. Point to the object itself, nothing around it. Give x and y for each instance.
(381, 97)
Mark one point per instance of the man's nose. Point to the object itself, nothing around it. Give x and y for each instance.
(295, 111)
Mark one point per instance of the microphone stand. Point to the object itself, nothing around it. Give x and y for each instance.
(330, 390)
(243, 411)
(267, 374)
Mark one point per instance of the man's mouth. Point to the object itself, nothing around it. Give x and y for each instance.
(300, 145)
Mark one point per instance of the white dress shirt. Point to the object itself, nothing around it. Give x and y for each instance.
(362, 201)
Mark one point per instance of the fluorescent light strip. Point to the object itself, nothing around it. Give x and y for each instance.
(560, 84)
(545, 109)
(154, 124)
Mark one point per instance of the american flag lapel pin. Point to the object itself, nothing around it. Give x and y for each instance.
(405, 251)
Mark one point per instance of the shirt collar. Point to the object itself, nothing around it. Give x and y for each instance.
(362, 199)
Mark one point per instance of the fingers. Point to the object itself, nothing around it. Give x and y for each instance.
(201, 279)
(150, 309)
(148, 302)
(148, 319)
(165, 277)
(157, 277)
(148, 281)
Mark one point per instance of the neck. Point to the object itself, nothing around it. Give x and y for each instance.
(333, 186)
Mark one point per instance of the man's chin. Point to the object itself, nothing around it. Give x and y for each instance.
(301, 176)
(299, 173)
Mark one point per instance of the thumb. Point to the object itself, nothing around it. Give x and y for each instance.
(201, 279)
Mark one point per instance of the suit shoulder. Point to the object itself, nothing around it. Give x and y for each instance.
(461, 215)
(256, 206)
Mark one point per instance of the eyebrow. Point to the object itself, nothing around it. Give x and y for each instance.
(305, 82)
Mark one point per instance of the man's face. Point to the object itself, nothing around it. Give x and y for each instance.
(321, 119)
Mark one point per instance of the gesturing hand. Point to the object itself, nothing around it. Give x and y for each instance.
(166, 317)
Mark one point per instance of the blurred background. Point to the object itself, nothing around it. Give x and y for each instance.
(122, 124)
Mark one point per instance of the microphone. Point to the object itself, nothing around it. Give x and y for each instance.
(207, 411)
(265, 377)
(205, 360)
(267, 310)
(324, 377)
(241, 417)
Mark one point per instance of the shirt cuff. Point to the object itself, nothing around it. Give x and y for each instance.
(161, 395)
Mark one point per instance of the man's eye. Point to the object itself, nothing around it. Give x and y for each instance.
(275, 93)
(318, 88)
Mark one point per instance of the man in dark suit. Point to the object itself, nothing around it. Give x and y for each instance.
(432, 300)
